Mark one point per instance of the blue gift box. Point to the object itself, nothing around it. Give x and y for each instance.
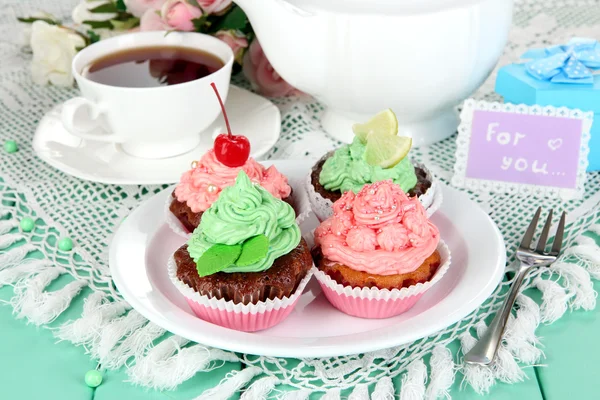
(517, 86)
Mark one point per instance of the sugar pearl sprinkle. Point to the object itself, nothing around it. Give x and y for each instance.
(211, 188)
(194, 164)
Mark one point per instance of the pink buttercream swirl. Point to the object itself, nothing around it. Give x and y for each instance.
(201, 186)
(379, 230)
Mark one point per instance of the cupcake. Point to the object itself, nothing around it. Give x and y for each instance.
(375, 154)
(378, 253)
(201, 186)
(246, 264)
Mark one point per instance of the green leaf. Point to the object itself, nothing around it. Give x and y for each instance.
(99, 24)
(94, 37)
(201, 23)
(31, 20)
(121, 5)
(105, 8)
(125, 25)
(217, 258)
(253, 250)
(235, 19)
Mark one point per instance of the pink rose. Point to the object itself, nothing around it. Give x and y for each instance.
(179, 14)
(152, 21)
(213, 6)
(139, 7)
(236, 41)
(261, 74)
(173, 15)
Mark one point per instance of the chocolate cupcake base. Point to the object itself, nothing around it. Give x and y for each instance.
(189, 219)
(279, 281)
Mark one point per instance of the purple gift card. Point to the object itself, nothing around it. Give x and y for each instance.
(535, 150)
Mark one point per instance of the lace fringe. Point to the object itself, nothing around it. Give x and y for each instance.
(117, 336)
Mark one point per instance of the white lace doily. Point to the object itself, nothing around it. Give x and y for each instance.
(117, 336)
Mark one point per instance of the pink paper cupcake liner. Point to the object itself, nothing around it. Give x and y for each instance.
(323, 208)
(247, 318)
(379, 303)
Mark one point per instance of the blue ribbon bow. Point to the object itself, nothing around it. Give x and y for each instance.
(570, 63)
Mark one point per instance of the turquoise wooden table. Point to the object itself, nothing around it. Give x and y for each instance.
(34, 366)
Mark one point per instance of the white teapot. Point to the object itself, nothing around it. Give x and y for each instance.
(420, 58)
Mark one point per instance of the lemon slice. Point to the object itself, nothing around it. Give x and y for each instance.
(384, 123)
(386, 150)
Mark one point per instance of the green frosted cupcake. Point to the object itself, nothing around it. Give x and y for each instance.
(247, 248)
(376, 154)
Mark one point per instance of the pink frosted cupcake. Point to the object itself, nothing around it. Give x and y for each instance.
(201, 186)
(378, 253)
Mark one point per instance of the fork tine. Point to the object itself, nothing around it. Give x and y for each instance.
(526, 242)
(558, 238)
(544, 237)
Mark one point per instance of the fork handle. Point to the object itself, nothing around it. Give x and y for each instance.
(485, 349)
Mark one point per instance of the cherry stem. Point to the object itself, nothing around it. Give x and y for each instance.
(222, 108)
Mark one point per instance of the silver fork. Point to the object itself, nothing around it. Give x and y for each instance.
(484, 351)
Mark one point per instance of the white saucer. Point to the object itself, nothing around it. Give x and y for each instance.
(250, 115)
(143, 243)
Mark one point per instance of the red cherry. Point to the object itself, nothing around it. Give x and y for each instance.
(233, 150)
(230, 150)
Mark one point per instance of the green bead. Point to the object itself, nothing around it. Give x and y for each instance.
(10, 146)
(93, 378)
(65, 244)
(27, 224)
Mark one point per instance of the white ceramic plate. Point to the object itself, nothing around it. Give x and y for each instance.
(250, 115)
(143, 243)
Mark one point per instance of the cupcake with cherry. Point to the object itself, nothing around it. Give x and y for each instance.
(246, 264)
(377, 153)
(202, 185)
(378, 253)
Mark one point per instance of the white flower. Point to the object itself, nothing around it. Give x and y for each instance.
(26, 31)
(81, 12)
(53, 50)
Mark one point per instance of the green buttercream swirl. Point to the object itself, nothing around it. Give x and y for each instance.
(242, 211)
(347, 170)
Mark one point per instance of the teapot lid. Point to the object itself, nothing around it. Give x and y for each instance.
(377, 6)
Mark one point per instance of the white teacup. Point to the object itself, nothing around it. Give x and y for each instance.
(153, 122)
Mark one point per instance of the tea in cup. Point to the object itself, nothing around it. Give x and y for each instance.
(149, 91)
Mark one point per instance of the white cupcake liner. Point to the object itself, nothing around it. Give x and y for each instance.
(243, 317)
(301, 207)
(379, 303)
(432, 198)
(173, 222)
(323, 208)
